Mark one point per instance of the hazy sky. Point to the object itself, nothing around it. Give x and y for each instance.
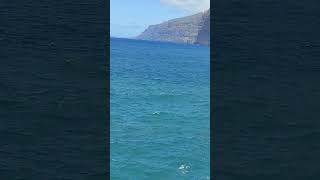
(128, 18)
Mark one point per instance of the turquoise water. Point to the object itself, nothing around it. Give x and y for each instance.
(159, 111)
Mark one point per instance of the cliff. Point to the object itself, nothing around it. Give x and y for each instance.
(204, 33)
(194, 29)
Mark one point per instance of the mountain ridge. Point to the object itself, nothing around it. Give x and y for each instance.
(193, 29)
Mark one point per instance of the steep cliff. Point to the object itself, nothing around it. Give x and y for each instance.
(194, 29)
(204, 33)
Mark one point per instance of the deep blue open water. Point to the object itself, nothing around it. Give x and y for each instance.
(160, 123)
(266, 91)
(53, 90)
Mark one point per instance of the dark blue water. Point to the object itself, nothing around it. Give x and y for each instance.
(53, 90)
(160, 97)
(266, 91)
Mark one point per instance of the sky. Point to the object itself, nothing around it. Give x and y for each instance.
(128, 18)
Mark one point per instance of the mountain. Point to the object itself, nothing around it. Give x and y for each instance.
(194, 29)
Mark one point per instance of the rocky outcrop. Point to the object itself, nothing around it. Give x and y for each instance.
(194, 29)
(204, 33)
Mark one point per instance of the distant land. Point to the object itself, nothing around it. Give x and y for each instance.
(194, 29)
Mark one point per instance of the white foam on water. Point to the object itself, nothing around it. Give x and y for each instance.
(156, 113)
(184, 169)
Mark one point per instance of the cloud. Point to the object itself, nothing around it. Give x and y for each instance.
(189, 5)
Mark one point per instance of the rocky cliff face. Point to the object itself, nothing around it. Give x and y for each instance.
(193, 29)
(204, 33)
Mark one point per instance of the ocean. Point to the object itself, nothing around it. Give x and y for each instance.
(53, 84)
(160, 110)
(266, 92)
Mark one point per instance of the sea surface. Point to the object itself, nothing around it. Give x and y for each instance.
(266, 91)
(160, 113)
(53, 84)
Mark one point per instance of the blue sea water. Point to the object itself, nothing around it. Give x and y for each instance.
(53, 84)
(160, 96)
(266, 90)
